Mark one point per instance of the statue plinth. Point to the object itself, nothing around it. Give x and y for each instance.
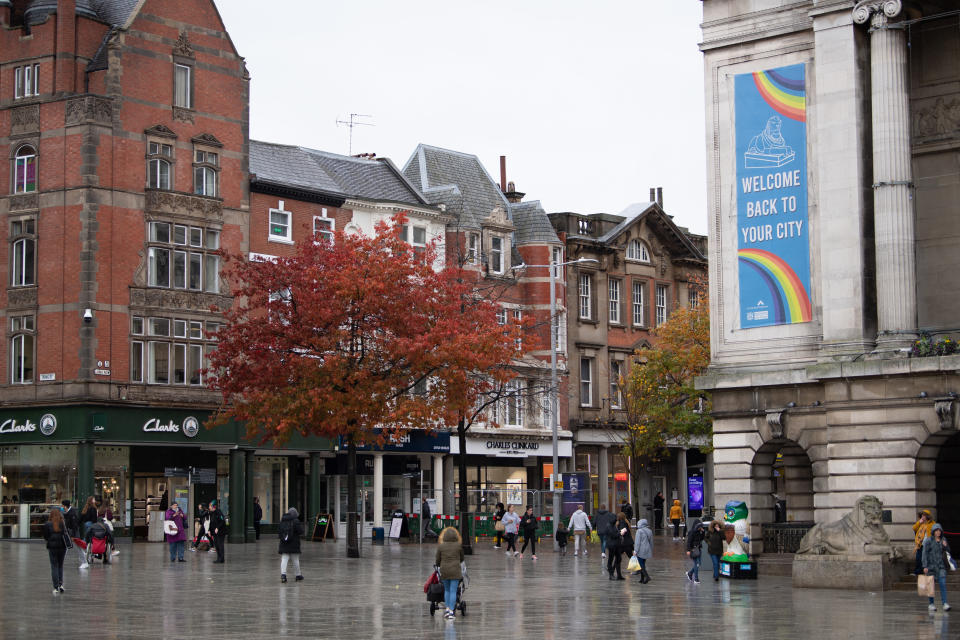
(861, 572)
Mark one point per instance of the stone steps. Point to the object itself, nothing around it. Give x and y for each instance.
(909, 583)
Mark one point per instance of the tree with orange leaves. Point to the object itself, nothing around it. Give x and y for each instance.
(662, 404)
(352, 336)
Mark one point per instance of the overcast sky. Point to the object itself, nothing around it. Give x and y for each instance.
(592, 103)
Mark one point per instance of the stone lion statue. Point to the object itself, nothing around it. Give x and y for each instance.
(770, 140)
(859, 533)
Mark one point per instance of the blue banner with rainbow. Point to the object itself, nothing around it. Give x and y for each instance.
(772, 231)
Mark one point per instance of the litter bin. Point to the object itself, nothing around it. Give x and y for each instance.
(377, 535)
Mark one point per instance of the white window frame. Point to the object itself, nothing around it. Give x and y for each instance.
(23, 255)
(638, 303)
(584, 296)
(586, 383)
(614, 287)
(186, 346)
(637, 250)
(513, 404)
(502, 317)
(23, 341)
(286, 238)
(187, 89)
(561, 330)
(328, 226)
(557, 254)
(518, 320)
(26, 81)
(661, 298)
(205, 181)
(496, 255)
(473, 248)
(24, 155)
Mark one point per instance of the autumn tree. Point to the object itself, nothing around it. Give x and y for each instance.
(347, 337)
(663, 407)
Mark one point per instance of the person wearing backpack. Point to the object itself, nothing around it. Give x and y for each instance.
(290, 531)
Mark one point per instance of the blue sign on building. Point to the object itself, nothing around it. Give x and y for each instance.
(772, 222)
(414, 441)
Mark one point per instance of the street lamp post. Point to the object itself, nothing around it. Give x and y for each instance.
(554, 391)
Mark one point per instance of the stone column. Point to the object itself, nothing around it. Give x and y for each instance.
(448, 476)
(378, 489)
(892, 174)
(237, 532)
(603, 476)
(250, 534)
(681, 454)
(438, 480)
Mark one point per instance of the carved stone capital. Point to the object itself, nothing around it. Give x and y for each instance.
(88, 109)
(167, 300)
(866, 8)
(24, 202)
(776, 420)
(24, 120)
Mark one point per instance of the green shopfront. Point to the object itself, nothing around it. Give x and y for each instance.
(137, 460)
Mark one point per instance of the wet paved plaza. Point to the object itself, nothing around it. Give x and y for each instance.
(142, 595)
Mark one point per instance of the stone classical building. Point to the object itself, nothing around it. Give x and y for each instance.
(645, 268)
(833, 129)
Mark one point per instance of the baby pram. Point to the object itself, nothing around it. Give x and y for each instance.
(434, 589)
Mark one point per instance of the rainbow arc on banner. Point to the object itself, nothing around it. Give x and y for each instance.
(789, 299)
(785, 95)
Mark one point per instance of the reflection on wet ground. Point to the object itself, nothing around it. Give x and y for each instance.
(381, 596)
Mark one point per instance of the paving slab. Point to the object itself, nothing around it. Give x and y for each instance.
(142, 595)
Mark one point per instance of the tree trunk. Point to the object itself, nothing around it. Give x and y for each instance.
(353, 542)
(462, 464)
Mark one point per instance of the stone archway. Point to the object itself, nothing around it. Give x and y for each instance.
(781, 486)
(938, 478)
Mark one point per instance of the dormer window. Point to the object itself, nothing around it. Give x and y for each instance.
(636, 250)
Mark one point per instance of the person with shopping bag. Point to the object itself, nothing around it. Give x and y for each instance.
(619, 541)
(498, 525)
(936, 559)
(642, 551)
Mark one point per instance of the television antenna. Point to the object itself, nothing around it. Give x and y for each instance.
(354, 121)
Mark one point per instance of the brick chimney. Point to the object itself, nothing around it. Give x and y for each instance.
(660, 196)
(512, 194)
(653, 194)
(66, 60)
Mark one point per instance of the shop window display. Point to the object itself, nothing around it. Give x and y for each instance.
(32, 479)
(110, 482)
(270, 484)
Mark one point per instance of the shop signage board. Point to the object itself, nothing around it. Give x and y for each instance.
(203, 475)
(416, 440)
(773, 234)
(508, 447)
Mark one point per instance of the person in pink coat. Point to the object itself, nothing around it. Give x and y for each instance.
(176, 540)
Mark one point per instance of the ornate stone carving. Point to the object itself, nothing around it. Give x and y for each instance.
(25, 119)
(24, 202)
(22, 297)
(183, 47)
(183, 115)
(944, 409)
(776, 421)
(175, 299)
(161, 131)
(937, 119)
(207, 139)
(181, 203)
(88, 109)
(858, 533)
(865, 8)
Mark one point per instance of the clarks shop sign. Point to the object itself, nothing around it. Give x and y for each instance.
(47, 425)
(189, 427)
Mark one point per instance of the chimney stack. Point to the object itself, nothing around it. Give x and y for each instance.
(660, 196)
(66, 59)
(503, 174)
(653, 194)
(512, 194)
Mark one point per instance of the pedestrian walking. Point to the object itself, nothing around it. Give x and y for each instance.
(580, 527)
(562, 534)
(257, 516)
(511, 526)
(176, 534)
(627, 509)
(603, 522)
(71, 522)
(921, 531)
(448, 558)
(89, 515)
(55, 533)
(658, 511)
(290, 530)
(425, 518)
(676, 517)
(715, 547)
(694, 541)
(643, 548)
(528, 525)
(934, 560)
(218, 527)
(199, 525)
(498, 525)
(619, 541)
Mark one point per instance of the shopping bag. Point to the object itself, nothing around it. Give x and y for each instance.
(594, 537)
(634, 565)
(925, 586)
(433, 579)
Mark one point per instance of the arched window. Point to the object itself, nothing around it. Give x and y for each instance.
(159, 156)
(636, 250)
(25, 170)
(205, 168)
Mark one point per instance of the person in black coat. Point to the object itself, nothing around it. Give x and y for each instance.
(53, 532)
(694, 542)
(497, 517)
(528, 527)
(289, 532)
(619, 540)
(218, 527)
(257, 515)
(658, 511)
(71, 521)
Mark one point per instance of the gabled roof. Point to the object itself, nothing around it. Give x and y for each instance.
(436, 171)
(330, 173)
(115, 12)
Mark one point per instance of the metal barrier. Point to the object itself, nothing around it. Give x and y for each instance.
(784, 537)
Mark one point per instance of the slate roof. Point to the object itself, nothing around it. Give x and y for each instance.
(113, 12)
(532, 223)
(630, 214)
(330, 173)
(461, 183)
